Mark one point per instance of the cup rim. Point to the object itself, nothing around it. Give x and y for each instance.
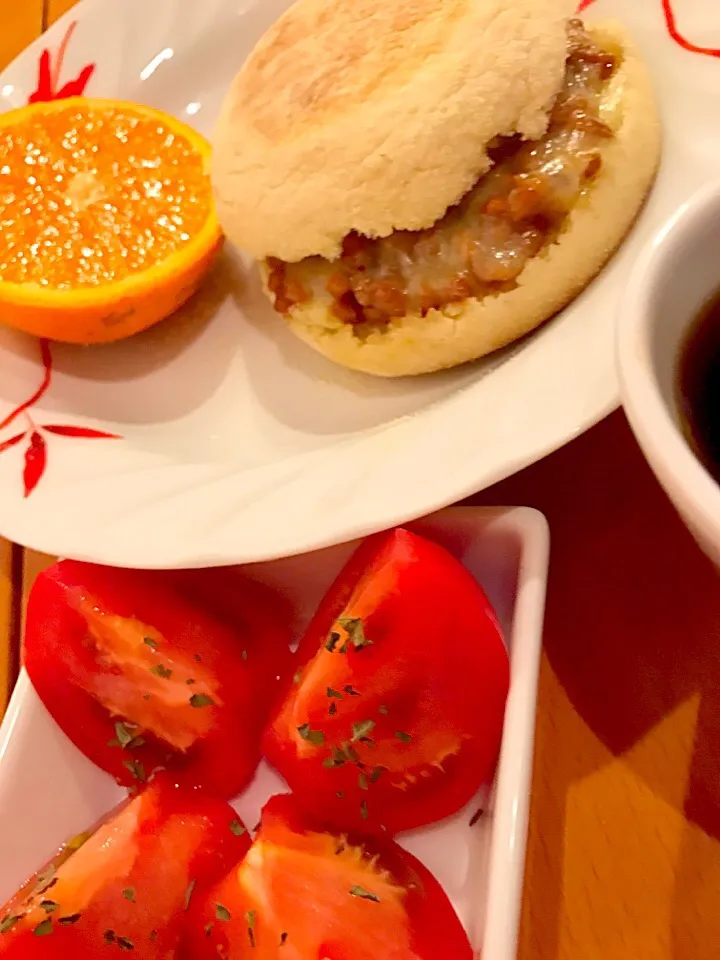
(663, 443)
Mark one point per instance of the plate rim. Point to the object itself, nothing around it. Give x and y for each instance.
(25, 526)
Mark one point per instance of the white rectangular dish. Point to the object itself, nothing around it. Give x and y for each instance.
(49, 791)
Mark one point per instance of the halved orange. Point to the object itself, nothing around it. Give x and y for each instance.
(107, 223)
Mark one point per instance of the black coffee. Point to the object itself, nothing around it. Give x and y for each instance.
(699, 386)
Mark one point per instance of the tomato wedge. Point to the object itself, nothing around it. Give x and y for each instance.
(128, 883)
(141, 676)
(395, 715)
(304, 894)
(250, 608)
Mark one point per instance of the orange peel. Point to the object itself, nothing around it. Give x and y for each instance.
(107, 222)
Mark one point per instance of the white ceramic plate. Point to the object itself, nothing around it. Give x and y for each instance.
(49, 791)
(239, 443)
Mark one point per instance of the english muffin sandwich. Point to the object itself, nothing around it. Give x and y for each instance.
(425, 181)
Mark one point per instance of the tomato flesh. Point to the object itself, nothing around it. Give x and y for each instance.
(305, 894)
(142, 674)
(146, 687)
(125, 885)
(395, 716)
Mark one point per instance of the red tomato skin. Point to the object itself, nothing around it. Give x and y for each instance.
(251, 609)
(179, 837)
(436, 646)
(59, 660)
(435, 929)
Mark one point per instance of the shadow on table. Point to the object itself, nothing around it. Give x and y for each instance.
(632, 629)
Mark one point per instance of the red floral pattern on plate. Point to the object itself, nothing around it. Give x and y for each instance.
(36, 452)
(671, 22)
(49, 75)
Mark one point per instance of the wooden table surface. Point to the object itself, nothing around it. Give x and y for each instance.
(623, 856)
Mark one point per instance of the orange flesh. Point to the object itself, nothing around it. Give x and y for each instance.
(127, 686)
(89, 196)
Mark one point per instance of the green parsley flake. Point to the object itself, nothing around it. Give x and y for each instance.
(161, 671)
(351, 753)
(250, 920)
(363, 894)
(45, 879)
(69, 920)
(315, 737)
(362, 729)
(476, 816)
(43, 928)
(353, 626)
(201, 700)
(79, 840)
(136, 769)
(8, 922)
(123, 736)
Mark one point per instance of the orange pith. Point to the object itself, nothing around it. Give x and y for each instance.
(107, 222)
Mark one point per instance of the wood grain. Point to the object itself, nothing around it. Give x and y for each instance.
(8, 626)
(32, 564)
(56, 8)
(20, 23)
(623, 856)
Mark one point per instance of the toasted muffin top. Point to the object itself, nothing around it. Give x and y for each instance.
(373, 116)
